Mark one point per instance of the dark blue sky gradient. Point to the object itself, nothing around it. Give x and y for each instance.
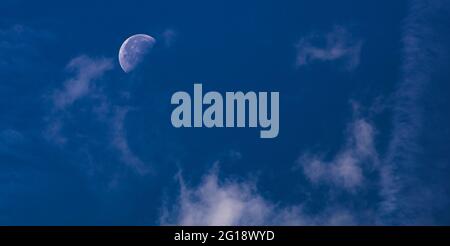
(226, 46)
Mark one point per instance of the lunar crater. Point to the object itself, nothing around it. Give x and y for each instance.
(133, 51)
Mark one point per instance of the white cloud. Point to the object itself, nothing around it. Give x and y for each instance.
(345, 169)
(338, 44)
(120, 142)
(215, 203)
(238, 202)
(86, 70)
(230, 202)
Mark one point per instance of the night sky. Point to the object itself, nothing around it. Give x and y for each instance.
(364, 135)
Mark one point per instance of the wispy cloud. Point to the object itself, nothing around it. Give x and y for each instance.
(83, 85)
(424, 45)
(217, 202)
(120, 142)
(425, 48)
(212, 203)
(337, 44)
(345, 169)
(86, 70)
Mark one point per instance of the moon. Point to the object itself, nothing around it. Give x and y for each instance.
(133, 51)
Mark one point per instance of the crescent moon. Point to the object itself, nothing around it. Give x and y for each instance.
(133, 51)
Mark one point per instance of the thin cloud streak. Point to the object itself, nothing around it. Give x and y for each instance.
(423, 47)
(339, 45)
(86, 70)
(345, 170)
(120, 142)
(82, 85)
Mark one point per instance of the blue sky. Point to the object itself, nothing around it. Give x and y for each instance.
(364, 113)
